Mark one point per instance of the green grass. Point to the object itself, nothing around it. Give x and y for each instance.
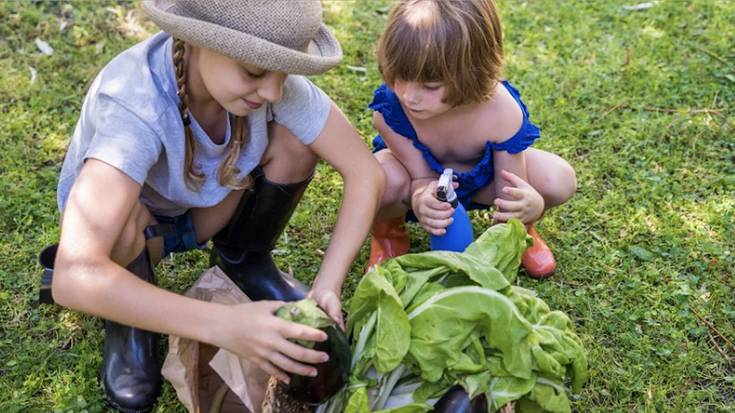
(644, 246)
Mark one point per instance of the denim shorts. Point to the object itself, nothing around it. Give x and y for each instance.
(178, 233)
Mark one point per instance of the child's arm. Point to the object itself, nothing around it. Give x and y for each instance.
(87, 279)
(341, 146)
(515, 198)
(434, 215)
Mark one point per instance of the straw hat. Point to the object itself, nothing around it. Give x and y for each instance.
(279, 35)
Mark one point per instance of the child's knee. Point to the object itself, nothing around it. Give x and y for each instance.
(287, 144)
(570, 180)
(286, 153)
(562, 184)
(397, 180)
(397, 185)
(132, 238)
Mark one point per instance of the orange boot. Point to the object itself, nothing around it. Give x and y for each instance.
(538, 260)
(390, 239)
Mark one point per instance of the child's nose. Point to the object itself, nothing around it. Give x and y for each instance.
(409, 94)
(271, 86)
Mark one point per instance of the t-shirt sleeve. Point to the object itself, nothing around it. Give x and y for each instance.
(122, 139)
(303, 109)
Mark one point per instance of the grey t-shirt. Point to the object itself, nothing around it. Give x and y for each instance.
(130, 120)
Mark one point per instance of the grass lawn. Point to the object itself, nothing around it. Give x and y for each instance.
(642, 103)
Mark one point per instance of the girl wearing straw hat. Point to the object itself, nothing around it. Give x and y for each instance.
(206, 131)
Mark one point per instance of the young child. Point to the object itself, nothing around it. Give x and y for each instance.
(203, 131)
(445, 104)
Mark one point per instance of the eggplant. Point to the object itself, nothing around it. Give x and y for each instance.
(457, 400)
(331, 375)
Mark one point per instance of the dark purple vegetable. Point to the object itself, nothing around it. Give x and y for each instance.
(456, 400)
(331, 376)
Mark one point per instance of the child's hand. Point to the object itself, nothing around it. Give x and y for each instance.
(527, 204)
(434, 215)
(254, 332)
(328, 300)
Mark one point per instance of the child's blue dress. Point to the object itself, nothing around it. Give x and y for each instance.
(386, 102)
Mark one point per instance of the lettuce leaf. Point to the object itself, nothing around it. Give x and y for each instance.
(392, 330)
(502, 246)
(422, 323)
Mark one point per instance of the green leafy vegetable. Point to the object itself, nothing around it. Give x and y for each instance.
(422, 323)
(305, 312)
(502, 247)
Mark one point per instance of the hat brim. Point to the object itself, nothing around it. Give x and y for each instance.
(323, 53)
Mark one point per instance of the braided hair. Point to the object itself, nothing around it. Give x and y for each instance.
(228, 170)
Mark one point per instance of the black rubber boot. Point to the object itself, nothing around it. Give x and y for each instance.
(131, 369)
(243, 248)
(47, 258)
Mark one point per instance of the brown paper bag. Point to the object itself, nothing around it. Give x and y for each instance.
(198, 371)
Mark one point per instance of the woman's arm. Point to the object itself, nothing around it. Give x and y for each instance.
(364, 181)
(97, 214)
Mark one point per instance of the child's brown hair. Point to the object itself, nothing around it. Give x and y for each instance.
(457, 42)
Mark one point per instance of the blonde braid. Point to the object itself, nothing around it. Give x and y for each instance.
(192, 178)
(228, 169)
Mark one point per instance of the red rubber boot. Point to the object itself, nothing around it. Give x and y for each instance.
(538, 260)
(389, 239)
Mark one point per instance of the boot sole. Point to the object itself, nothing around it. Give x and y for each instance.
(119, 408)
(541, 276)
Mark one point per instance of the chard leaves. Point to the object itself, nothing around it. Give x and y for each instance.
(422, 323)
(502, 246)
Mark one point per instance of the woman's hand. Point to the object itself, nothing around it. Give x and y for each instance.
(328, 300)
(434, 215)
(526, 203)
(255, 333)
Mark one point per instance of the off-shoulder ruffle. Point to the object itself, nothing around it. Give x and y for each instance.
(386, 102)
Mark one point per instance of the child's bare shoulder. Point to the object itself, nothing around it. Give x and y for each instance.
(502, 117)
